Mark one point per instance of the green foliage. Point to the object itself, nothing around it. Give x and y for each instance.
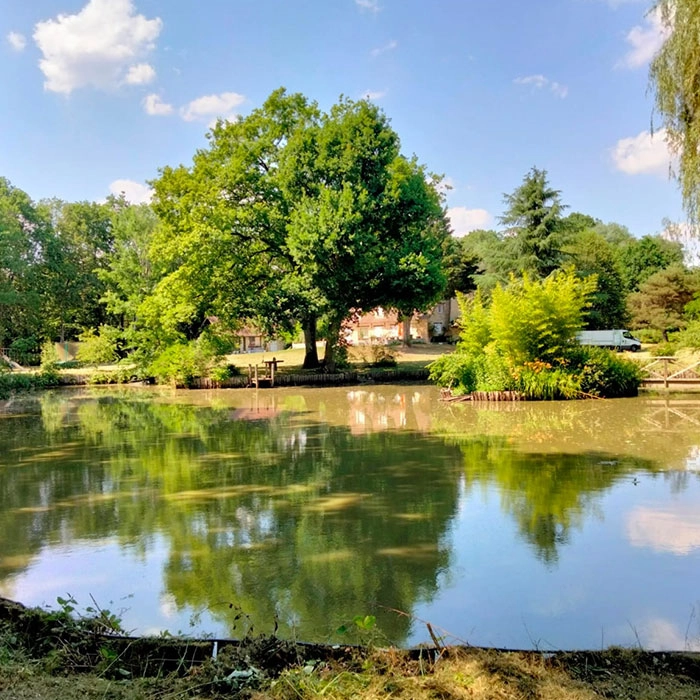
(525, 342)
(689, 337)
(606, 374)
(669, 348)
(180, 363)
(640, 258)
(14, 382)
(541, 381)
(455, 371)
(221, 373)
(593, 255)
(99, 347)
(534, 320)
(674, 77)
(380, 355)
(534, 213)
(49, 356)
(661, 301)
(648, 335)
(121, 375)
(475, 326)
(321, 215)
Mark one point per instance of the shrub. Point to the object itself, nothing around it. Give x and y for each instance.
(690, 336)
(383, 355)
(541, 381)
(179, 364)
(664, 349)
(455, 371)
(49, 355)
(649, 335)
(99, 348)
(606, 374)
(11, 383)
(223, 372)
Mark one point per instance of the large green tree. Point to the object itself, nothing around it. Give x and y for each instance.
(675, 78)
(291, 214)
(83, 232)
(661, 300)
(27, 247)
(640, 258)
(533, 216)
(593, 255)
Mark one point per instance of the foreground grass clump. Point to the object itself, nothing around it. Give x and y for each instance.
(52, 655)
(524, 341)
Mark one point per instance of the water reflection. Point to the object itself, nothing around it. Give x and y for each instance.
(304, 508)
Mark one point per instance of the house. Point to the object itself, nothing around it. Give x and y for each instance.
(252, 339)
(383, 326)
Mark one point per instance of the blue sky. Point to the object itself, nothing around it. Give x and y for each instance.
(99, 94)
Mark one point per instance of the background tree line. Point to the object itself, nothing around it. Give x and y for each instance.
(297, 220)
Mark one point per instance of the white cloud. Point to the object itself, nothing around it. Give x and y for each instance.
(464, 220)
(676, 531)
(17, 41)
(539, 82)
(155, 106)
(393, 44)
(645, 40)
(374, 94)
(135, 192)
(371, 5)
(643, 154)
(140, 74)
(212, 106)
(98, 47)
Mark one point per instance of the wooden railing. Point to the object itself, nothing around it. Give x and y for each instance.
(665, 370)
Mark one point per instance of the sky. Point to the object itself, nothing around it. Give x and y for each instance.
(100, 94)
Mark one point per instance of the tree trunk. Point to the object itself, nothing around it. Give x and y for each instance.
(332, 340)
(311, 353)
(407, 331)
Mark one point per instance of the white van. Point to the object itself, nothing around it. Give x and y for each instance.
(618, 339)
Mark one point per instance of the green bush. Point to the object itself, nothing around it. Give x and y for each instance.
(455, 371)
(541, 381)
(179, 364)
(604, 373)
(649, 335)
(14, 382)
(664, 349)
(49, 355)
(99, 348)
(689, 337)
(223, 372)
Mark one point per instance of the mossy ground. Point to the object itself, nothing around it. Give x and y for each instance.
(51, 656)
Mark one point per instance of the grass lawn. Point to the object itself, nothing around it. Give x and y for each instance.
(416, 357)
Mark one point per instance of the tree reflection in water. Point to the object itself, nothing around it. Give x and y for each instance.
(307, 507)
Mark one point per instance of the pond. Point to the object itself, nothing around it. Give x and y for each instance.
(549, 525)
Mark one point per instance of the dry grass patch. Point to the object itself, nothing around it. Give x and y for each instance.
(474, 674)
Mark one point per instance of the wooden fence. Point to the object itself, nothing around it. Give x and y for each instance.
(665, 371)
(321, 379)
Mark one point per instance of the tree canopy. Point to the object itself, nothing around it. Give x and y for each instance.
(292, 214)
(675, 78)
(534, 214)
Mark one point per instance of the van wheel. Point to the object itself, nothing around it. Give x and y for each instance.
(618, 348)
(635, 348)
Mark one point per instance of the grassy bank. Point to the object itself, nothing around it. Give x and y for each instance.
(51, 656)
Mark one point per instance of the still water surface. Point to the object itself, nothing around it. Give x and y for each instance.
(557, 525)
